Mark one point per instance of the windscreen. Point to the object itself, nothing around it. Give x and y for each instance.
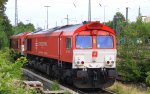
(84, 42)
(105, 41)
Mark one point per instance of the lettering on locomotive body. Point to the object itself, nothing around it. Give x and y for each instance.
(41, 52)
(42, 43)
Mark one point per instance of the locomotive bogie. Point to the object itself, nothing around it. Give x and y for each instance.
(95, 78)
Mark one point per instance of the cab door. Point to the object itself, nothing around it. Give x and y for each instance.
(66, 48)
(60, 46)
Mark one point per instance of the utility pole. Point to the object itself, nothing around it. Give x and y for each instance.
(127, 14)
(16, 13)
(89, 11)
(47, 14)
(104, 11)
(104, 14)
(139, 14)
(67, 19)
(56, 23)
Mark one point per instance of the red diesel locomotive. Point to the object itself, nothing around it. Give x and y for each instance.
(83, 55)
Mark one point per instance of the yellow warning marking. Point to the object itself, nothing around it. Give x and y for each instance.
(94, 41)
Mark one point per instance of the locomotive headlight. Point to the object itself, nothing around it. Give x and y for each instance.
(82, 62)
(112, 62)
(108, 62)
(78, 62)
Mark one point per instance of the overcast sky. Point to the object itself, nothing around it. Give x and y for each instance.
(34, 11)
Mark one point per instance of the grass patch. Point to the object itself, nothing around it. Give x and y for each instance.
(55, 86)
(120, 88)
(67, 92)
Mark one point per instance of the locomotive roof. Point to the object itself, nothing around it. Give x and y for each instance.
(72, 28)
(69, 28)
(20, 35)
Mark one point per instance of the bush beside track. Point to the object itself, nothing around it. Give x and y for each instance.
(134, 52)
(11, 74)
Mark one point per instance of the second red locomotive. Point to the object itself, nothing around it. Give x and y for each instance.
(17, 42)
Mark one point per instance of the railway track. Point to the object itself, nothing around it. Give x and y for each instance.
(47, 83)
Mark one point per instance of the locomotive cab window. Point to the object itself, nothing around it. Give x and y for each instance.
(68, 43)
(83, 42)
(105, 42)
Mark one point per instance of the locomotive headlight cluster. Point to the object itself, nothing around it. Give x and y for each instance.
(109, 63)
(109, 60)
(79, 60)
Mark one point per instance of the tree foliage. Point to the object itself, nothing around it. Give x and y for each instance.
(6, 29)
(11, 73)
(118, 23)
(5, 26)
(2, 7)
(148, 78)
(109, 23)
(21, 27)
(133, 63)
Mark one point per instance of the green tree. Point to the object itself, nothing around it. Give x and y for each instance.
(118, 23)
(21, 27)
(134, 53)
(5, 26)
(2, 7)
(109, 23)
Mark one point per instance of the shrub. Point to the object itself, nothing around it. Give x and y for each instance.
(148, 78)
(10, 74)
(128, 69)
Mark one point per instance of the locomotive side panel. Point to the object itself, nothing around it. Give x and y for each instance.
(39, 47)
(52, 47)
(45, 45)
